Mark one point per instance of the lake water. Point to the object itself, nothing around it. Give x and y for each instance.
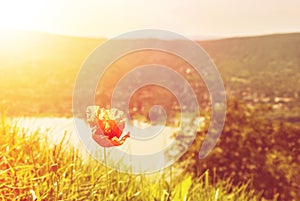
(56, 127)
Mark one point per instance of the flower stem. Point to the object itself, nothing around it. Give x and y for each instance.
(106, 171)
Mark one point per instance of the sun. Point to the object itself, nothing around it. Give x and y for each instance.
(22, 14)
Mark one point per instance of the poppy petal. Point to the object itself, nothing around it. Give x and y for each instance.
(107, 126)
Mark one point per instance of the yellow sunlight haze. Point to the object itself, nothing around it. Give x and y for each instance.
(21, 14)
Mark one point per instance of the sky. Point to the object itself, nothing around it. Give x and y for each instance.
(191, 18)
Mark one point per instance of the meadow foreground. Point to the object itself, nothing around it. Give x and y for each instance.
(31, 168)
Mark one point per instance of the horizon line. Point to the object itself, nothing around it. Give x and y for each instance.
(191, 37)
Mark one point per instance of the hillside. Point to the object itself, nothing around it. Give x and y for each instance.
(255, 59)
(38, 71)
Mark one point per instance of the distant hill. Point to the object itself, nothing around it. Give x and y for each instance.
(261, 58)
(38, 70)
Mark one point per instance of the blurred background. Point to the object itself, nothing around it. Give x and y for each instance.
(254, 44)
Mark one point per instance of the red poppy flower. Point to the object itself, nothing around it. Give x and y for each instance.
(107, 126)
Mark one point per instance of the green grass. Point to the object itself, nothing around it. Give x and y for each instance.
(30, 167)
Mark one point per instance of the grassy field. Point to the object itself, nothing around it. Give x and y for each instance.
(32, 168)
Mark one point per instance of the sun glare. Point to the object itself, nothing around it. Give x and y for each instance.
(22, 14)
